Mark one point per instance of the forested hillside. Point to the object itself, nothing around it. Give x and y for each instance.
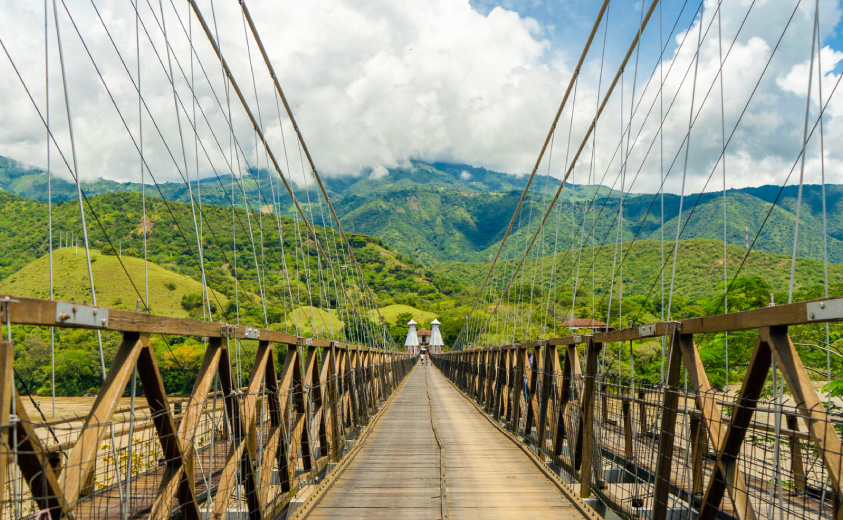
(452, 212)
(424, 236)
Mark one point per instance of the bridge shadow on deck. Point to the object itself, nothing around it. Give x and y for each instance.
(397, 473)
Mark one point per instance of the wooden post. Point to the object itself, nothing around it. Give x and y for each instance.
(642, 413)
(698, 440)
(591, 458)
(500, 381)
(548, 373)
(81, 457)
(7, 360)
(667, 431)
(517, 388)
(334, 403)
(533, 402)
(627, 430)
(797, 466)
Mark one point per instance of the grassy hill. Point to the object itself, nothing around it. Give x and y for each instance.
(390, 313)
(114, 288)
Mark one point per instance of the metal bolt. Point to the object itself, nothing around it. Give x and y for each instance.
(104, 322)
(75, 309)
(64, 316)
(94, 312)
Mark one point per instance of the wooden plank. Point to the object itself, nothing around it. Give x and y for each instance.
(81, 457)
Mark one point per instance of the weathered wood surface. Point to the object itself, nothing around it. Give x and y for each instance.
(396, 474)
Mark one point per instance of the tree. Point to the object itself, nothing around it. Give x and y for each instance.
(399, 328)
(746, 292)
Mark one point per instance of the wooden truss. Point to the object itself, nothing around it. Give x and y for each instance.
(325, 388)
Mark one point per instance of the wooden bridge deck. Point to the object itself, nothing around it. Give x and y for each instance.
(397, 473)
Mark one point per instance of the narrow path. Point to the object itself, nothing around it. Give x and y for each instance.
(396, 474)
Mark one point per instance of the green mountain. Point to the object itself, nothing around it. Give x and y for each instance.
(699, 271)
(450, 212)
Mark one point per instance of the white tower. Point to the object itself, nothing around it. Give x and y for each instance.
(411, 344)
(436, 343)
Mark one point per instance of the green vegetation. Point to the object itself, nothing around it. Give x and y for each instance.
(170, 294)
(432, 228)
(455, 212)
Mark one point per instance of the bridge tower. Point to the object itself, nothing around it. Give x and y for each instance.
(411, 344)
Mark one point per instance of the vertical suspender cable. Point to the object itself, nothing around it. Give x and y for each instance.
(84, 228)
(685, 168)
(723, 143)
(303, 145)
(541, 153)
(172, 80)
(49, 199)
(802, 168)
(274, 161)
(825, 213)
(591, 127)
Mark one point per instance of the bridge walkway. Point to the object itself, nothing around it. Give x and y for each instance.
(397, 473)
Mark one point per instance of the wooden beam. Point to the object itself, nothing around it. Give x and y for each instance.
(36, 468)
(822, 432)
(726, 474)
(82, 456)
(171, 445)
(712, 423)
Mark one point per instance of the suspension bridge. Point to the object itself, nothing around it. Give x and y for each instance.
(303, 406)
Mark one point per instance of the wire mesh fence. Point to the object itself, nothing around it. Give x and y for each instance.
(674, 447)
(228, 448)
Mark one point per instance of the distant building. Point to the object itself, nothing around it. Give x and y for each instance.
(411, 344)
(424, 337)
(436, 344)
(589, 324)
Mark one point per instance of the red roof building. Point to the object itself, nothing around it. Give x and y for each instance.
(424, 336)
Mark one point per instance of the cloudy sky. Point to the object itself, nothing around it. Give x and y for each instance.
(375, 84)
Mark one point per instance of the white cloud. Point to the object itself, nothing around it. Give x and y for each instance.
(376, 83)
(464, 175)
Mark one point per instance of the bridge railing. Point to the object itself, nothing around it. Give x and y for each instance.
(225, 447)
(679, 448)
